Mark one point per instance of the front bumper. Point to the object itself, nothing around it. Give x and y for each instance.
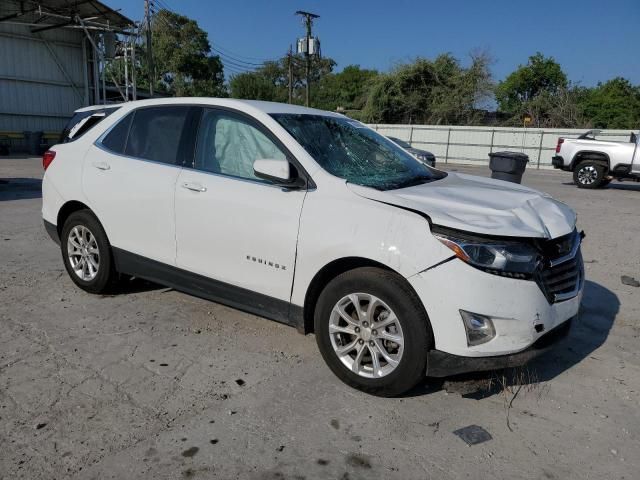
(442, 364)
(520, 311)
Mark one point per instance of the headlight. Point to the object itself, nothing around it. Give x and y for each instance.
(509, 259)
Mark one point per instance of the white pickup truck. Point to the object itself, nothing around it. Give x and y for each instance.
(595, 163)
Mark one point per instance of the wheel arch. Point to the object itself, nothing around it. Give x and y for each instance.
(331, 271)
(67, 209)
(75, 206)
(596, 156)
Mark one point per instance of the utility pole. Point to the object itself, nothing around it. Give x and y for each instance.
(147, 15)
(308, 19)
(126, 69)
(290, 66)
(133, 39)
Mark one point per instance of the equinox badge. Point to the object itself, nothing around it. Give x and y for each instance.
(266, 263)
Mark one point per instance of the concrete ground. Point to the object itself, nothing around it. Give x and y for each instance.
(155, 384)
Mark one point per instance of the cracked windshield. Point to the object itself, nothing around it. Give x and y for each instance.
(350, 150)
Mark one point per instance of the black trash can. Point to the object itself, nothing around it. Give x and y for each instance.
(508, 166)
(32, 141)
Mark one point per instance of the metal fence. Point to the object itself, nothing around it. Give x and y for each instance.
(472, 145)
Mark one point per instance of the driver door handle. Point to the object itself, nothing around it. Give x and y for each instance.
(101, 165)
(194, 187)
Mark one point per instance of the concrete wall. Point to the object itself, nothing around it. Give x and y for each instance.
(471, 145)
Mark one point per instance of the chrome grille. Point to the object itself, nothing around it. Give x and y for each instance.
(563, 281)
(561, 278)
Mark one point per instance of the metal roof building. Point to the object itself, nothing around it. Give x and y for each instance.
(51, 52)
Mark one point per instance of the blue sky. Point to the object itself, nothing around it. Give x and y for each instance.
(593, 40)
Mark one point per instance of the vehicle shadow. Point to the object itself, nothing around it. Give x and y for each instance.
(129, 285)
(20, 188)
(589, 331)
(634, 187)
(629, 186)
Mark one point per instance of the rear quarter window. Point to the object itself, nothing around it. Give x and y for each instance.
(82, 122)
(116, 139)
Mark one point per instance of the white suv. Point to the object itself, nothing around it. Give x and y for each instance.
(315, 220)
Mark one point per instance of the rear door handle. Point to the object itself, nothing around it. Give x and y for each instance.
(194, 187)
(101, 165)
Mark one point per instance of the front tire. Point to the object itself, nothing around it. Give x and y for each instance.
(589, 174)
(373, 332)
(86, 253)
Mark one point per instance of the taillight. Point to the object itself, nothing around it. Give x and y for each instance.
(559, 144)
(47, 158)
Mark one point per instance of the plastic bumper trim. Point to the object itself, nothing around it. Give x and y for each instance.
(442, 364)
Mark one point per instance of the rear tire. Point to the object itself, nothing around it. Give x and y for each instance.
(589, 174)
(391, 329)
(86, 253)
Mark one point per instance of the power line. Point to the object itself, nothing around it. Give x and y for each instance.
(239, 62)
(238, 65)
(236, 71)
(228, 70)
(223, 51)
(163, 5)
(231, 61)
(238, 59)
(230, 52)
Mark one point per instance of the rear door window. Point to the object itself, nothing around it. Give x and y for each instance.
(155, 133)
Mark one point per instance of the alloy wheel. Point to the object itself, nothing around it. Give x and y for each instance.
(366, 335)
(587, 175)
(83, 253)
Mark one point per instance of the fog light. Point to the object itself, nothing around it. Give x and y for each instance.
(479, 328)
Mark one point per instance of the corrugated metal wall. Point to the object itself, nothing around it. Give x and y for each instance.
(36, 76)
(471, 145)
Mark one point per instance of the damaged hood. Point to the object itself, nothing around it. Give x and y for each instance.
(481, 205)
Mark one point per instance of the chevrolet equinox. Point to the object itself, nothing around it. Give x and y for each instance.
(315, 220)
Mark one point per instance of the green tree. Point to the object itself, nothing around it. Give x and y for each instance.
(560, 109)
(541, 75)
(346, 90)
(439, 91)
(613, 104)
(255, 86)
(182, 57)
(271, 80)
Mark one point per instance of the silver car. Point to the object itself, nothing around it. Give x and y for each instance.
(422, 155)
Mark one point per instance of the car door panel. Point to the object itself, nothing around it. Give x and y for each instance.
(133, 199)
(129, 178)
(240, 231)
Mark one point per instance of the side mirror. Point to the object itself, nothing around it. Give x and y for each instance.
(277, 171)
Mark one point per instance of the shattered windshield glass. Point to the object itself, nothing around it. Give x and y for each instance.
(350, 150)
